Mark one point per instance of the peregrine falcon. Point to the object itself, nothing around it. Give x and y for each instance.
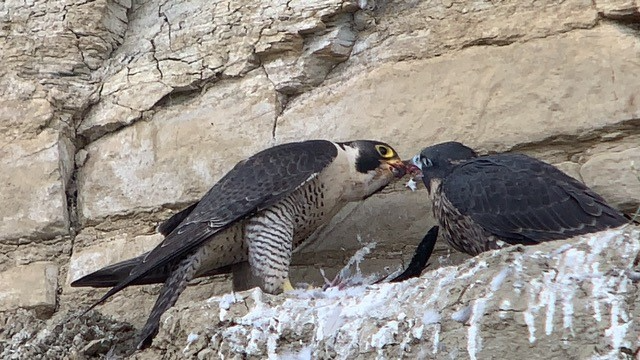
(261, 210)
(484, 202)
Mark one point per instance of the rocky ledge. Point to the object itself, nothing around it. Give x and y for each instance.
(573, 299)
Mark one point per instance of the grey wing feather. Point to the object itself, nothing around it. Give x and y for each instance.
(523, 200)
(167, 226)
(252, 185)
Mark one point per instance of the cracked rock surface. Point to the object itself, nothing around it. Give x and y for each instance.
(114, 114)
(573, 299)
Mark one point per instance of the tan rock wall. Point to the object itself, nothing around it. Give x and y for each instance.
(114, 114)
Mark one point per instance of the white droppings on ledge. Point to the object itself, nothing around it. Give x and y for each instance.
(430, 317)
(341, 319)
(505, 304)
(261, 312)
(417, 331)
(499, 279)
(548, 300)
(303, 354)
(562, 249)
(445, 277)
(474, 341)
(191, 338)
(436, 338)
(256, 336)
(272, 344)
(598, 289)
(462, 315)
(402, 316)
(482, 264)
(385, 335)
(597, 245)
(620, 321)
(226, 300)
(329, 321)
(518, 268)
(571, 268)
(532, 310)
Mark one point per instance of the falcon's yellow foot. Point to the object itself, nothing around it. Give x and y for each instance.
(287, 287)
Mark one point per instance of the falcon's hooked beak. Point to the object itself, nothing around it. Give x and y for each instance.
(397, 167)
(413, 166)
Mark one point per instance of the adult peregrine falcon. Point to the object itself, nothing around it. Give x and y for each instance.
(482, 202)
(260, 211)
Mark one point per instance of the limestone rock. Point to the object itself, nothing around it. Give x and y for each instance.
(616, 176)
(619, 9)
(32, 286)
(566, 299)
(497, 97)
(179, 154)
(179, 47)
(563, 299)
(49, 50)
(306, 68)
(155, 100)
(106, 252)
(570, 168)
(34, 178)
(66, 335)
(399, 30)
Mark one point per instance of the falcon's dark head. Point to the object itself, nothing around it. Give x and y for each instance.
(437, 161)
(373, 155)
(373, 165)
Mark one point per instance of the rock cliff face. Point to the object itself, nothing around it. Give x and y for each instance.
(114, 114)
(572, 299)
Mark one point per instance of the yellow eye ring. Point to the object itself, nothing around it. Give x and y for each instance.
(385, 151)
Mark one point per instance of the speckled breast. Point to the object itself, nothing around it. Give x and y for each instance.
(460, 231)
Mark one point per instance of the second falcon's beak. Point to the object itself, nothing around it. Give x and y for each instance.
(413, 166)
(397, 166)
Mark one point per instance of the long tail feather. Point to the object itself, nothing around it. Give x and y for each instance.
(173, 287)
(420, 257)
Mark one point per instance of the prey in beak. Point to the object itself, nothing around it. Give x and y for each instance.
(413, 168)
(397, 167)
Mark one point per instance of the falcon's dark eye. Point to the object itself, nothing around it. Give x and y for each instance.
(385, 151)
(426, 162)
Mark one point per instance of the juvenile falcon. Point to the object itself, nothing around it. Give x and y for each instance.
(481, 202)
(260, 211)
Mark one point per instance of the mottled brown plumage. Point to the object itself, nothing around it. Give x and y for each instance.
(484, 202)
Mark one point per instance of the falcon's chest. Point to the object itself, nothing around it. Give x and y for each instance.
(314, 204)
(459, 231)
(319, 199)
(225, 248)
